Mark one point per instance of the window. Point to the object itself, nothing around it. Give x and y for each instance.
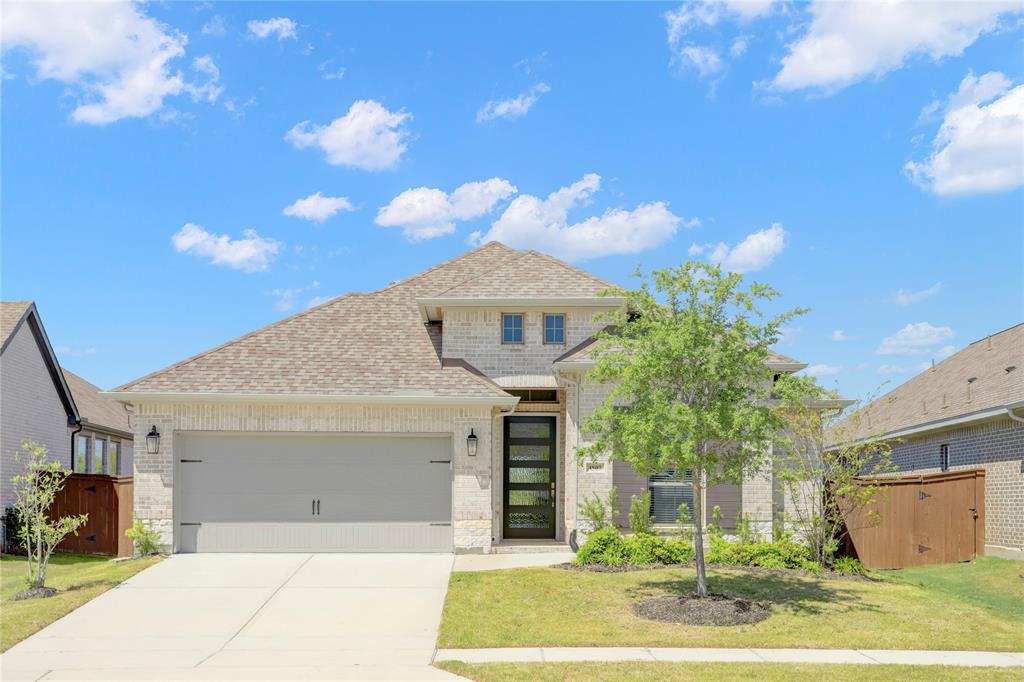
(944, 457)
(113, 458)
(668, 491)
(99, 456)
(554, 329)
(81, 454)
(535, 395)
(512, 328)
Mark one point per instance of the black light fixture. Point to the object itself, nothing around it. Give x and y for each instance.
(471, 441)
(153, 441)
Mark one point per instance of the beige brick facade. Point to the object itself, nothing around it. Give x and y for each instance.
(472, 476)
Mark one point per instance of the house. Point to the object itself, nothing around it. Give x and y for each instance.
(36, 403)
(966, 412)
(41, 402)
(441, 413)
(103, 442)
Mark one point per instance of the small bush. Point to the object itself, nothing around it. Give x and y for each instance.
(685, 523)
(147, 541)
(715, 527)
(781, 554)
(848, 565)
(640, 519)
(600, 513)
(608, 547)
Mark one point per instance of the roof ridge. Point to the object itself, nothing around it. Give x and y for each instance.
(410, 278)
(237, 339)
(989, 336)
(518, 256)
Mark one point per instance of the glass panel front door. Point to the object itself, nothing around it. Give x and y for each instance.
(530, 456)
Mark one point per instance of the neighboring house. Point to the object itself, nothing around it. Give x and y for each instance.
(440, 413)
(966, 412)
(104, 443)
(35, 401)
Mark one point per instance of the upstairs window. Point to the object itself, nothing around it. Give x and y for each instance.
(944, 457)
(512, 328)
(554, 329)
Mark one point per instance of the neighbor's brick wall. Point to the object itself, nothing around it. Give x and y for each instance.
(471, 502)
(30, 409)
(998, 448)
(474, 335)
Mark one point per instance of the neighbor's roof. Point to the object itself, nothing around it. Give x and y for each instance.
(94, 408)
(529, 274)
(365, 344)
(11, 313)
(939, 394)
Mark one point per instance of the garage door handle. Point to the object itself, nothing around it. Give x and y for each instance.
(312, 508)
(318, 507)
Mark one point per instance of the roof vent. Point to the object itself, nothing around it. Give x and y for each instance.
(972, 380)
(1011, 368)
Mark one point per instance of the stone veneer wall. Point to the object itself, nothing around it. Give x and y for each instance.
(474, 335)
(998, 448)
(154, 474)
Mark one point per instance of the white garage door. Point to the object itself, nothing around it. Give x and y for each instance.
(312, 493)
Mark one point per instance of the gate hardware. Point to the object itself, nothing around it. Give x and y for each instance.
(440, 461)
(91, 538)
(91, 489)
(440, 524)
(186, 523)
(921, 549)
(974, 511)
(922, 494)
(189, 461)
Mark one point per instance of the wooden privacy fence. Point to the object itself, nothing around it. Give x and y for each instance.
(108, 502)
(925, 519)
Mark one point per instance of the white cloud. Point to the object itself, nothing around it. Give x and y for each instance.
(756, 251)
(330, 73)
(680, 23)
(368, 137)
(282, 27)
(904, 297)
(839, 335)
(318, 300)
(75, 352)
(317, 207)
(516, 107)
(978, 146)
(210, 90)
(426, 213)
(849, 41)
(705, 59)
(216, 26)
(543, 224)
(116, 57)
(821, 370)
(891, 369)
(251, 253)
(739, 46)
(286, 297)
(914, 339)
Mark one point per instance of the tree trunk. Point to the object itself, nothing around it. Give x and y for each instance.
(698, 531)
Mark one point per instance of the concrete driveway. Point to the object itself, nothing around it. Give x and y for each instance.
(251, 616)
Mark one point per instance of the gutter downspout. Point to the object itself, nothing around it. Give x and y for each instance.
(78, 427)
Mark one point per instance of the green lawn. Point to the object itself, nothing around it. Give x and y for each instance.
(711, 672)
(955, 607)
(79, 577)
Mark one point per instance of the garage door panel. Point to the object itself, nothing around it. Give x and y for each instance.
(290, 492)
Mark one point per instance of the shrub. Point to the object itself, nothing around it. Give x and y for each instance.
(640, 520)
(715, 527)
(848, 565)
(599, 545)
(600, 513)
(147, 541)
(781, 554)
(684, 522)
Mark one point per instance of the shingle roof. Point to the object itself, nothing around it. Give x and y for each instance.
(941, 393)
(372, 344)
(11, 313)
(94, 408)
(530, 274)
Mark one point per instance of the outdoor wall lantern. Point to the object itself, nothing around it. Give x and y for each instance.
(153, 441)
(471, 441)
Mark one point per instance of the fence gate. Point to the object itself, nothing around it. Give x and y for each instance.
(930, 519)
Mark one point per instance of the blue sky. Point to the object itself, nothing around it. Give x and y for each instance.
(865, 160)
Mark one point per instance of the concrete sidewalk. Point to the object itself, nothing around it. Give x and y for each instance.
(680, 655)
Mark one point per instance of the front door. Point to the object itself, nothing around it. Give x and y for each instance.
(530, 457)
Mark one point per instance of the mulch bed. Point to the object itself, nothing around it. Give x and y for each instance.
(628, 568)
(715, 609)
(34, 593)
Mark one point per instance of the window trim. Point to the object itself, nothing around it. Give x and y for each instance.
(522, 330)
(544, 327)
(944, 457)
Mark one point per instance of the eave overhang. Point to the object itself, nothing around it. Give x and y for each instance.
(410, 398)
(431, 309)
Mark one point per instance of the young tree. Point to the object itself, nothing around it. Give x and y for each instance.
(35, 490)
(826, 465)
(687, 367)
